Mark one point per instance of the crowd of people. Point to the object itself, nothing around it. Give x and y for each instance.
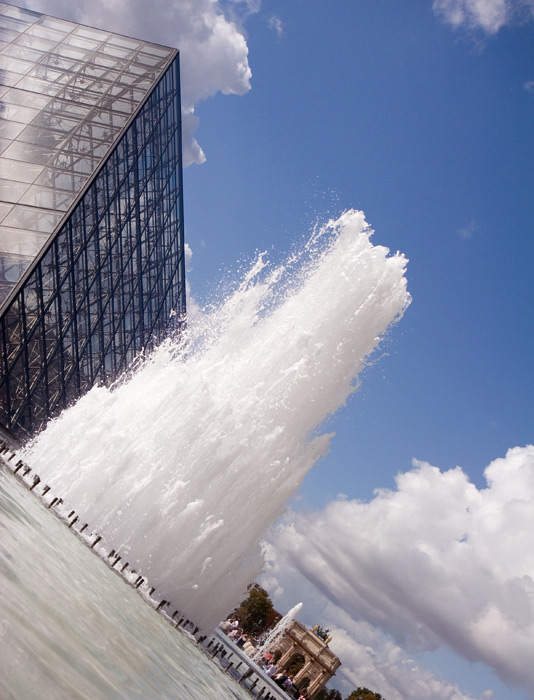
(268, 662)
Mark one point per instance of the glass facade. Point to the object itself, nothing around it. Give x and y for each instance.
(91, 213)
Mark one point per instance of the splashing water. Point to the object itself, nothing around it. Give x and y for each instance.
(274, 635)
(184, 466)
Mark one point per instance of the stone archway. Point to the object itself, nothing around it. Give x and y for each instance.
(303, 683)
(295, 664)
(320, 664)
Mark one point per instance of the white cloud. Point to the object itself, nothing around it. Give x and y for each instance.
(213, 50)
(489, 15)
(376, 662)
(469, 230)
(486, 15)
(188, 257)
(369, 657)
(529, 86)
(435, 563)
(276, 24)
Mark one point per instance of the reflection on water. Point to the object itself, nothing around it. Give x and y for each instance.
(71, 629)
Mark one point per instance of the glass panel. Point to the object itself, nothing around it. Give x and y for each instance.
(81, 42)
(13, 24)
(42, 137)
(116, 51)
(51, 75)
(11, 191)
(86, 83)
(100, 60)
(31, 297)
(9, 78)
(82, 146)
(66, 107)
(22, 172)
(37, 85)
(118, 105)
(61, 25)
(72, 52)
(56, 122)
(29, 152)
(127, 93)
(19, 242)
(4, 209)
(10, 130)
(20, 385)
(61, 180)
(56, 60)
(12, 268)
(48, 278)
(128, 79)
(16, 96)
(147, 59)
(46, 197)
(14, 64)
(125, 42)
(35, 42)
(32, 219)
(18, 51)
(95, 131)
(71, 161)
(29, 16)
(75, 94)
(103, 116)
(9, 34)
(17, 113)
(4, 143)
(91, 33)
(135, 69)
(156, 50)
(93, 71)
(45, 32)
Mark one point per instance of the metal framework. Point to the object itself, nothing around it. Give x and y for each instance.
(91, 216)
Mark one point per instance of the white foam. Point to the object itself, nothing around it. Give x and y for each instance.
(184, 466)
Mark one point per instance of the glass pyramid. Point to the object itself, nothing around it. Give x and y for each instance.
(92, 268)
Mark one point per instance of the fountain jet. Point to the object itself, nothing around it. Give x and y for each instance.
(184, 465)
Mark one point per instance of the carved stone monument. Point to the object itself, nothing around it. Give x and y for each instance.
(318, 664)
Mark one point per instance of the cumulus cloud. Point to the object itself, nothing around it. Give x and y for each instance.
(213, 50)
(369, 657)
(376, 662)
(486, 15)
(437, 562)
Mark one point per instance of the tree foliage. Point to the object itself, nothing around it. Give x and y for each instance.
(328, 694)
(364, 694)
(254, 611)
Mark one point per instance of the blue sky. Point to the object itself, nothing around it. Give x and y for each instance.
(427, 128)
(382, 107)
(385, 107)
(421, 114)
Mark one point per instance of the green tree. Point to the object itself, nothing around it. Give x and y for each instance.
(254, 611)
(328, 694)
(364, 694)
